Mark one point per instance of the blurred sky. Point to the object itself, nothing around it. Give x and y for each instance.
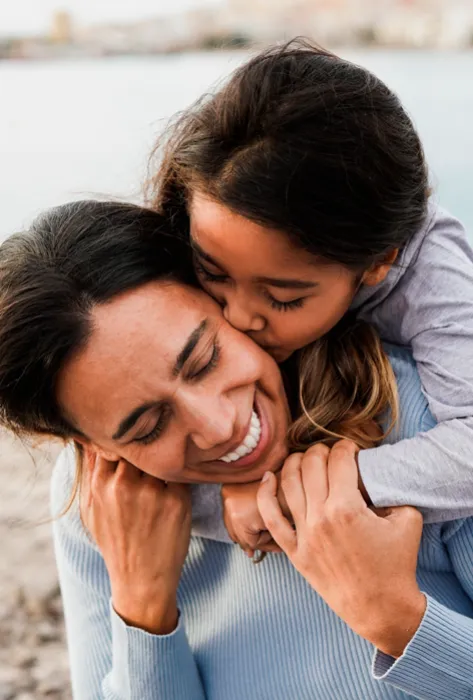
(29, 16)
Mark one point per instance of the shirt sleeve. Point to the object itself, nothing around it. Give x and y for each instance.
(433, 307)
(432, 471)
(437, 664)
(108, 659)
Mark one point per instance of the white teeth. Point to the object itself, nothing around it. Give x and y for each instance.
(249, 443)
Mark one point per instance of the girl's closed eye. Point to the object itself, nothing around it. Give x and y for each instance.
(207, 275)
(285, 305)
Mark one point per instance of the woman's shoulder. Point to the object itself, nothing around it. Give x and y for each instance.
(414, 411)
(67, 523)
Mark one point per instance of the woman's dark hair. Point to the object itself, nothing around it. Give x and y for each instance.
(301, 141)
(51, 276)
(86, 253)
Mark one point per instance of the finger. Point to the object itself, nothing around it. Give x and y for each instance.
(408, 519)
(179, 492)
(293, 488)
(101, 474)
(315, 478)
(262, 539)
(343, 474)
(87, 465)
(270, 510)
(272, 547)
(125, 471)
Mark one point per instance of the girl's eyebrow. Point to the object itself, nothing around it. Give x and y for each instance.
(202, 254)
(272, 281)
(287, 283)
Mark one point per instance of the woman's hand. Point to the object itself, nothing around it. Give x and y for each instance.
(361, 563)
(142, 528)
(243, 520)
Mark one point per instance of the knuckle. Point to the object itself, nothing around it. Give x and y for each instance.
(340, 512)
(271, 522)
(413, 515)
(344, 447)
(292, 464)
(175, 506)
(320, 451)
(322, 524)
(120, 489)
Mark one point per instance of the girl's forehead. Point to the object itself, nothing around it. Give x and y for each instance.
(220, 233)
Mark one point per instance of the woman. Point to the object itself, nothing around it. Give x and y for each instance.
(102, 342)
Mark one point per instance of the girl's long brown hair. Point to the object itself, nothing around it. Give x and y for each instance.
(347, 389)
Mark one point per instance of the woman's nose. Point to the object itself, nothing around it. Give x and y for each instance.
(241, 316)
(210, 422)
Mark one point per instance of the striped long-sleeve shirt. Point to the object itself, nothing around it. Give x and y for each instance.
(261, 632)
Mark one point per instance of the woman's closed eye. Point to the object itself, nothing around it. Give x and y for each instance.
(158, 426)
(203, 365)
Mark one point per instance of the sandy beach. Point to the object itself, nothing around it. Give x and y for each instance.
(33, 655)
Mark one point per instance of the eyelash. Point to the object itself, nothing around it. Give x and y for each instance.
(285, 305)
(275, 304)
(154, 433)
(161, 424)
(208, 276)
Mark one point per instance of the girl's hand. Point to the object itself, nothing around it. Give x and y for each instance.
(362, 564)
(142, 528)
(243, 520)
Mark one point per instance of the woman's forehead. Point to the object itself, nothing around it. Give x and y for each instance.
(135, 342)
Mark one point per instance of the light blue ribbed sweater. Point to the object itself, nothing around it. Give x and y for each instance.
(260, 632)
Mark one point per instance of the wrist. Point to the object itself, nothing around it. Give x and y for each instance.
(393, 634)
(156, 615)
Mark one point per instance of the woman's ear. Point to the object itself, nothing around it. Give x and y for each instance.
(378, 271)
(89, 446)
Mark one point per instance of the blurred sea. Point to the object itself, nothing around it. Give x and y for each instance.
(83, 128)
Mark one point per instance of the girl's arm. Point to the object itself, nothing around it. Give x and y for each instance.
(109, 658)
(429, 307)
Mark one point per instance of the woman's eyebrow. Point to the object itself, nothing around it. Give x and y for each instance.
(189, 347)
(129, 421)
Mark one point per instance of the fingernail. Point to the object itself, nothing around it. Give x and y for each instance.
(265, 477)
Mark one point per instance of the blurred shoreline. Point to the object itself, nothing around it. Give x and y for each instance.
(251, 24)
(33, 654)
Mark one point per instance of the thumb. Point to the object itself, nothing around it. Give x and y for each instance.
(407, 519)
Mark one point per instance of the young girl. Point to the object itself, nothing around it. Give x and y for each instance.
(304, 188)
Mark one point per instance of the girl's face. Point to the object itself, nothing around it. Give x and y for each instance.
(166, 383)
(281, 296)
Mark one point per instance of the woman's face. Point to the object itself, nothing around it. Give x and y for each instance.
(166, 383)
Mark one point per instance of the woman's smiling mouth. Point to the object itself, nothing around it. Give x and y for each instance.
(249, 443)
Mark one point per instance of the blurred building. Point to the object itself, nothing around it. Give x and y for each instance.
(61, 28)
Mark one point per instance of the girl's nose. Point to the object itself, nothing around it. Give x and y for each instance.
(241, 316)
